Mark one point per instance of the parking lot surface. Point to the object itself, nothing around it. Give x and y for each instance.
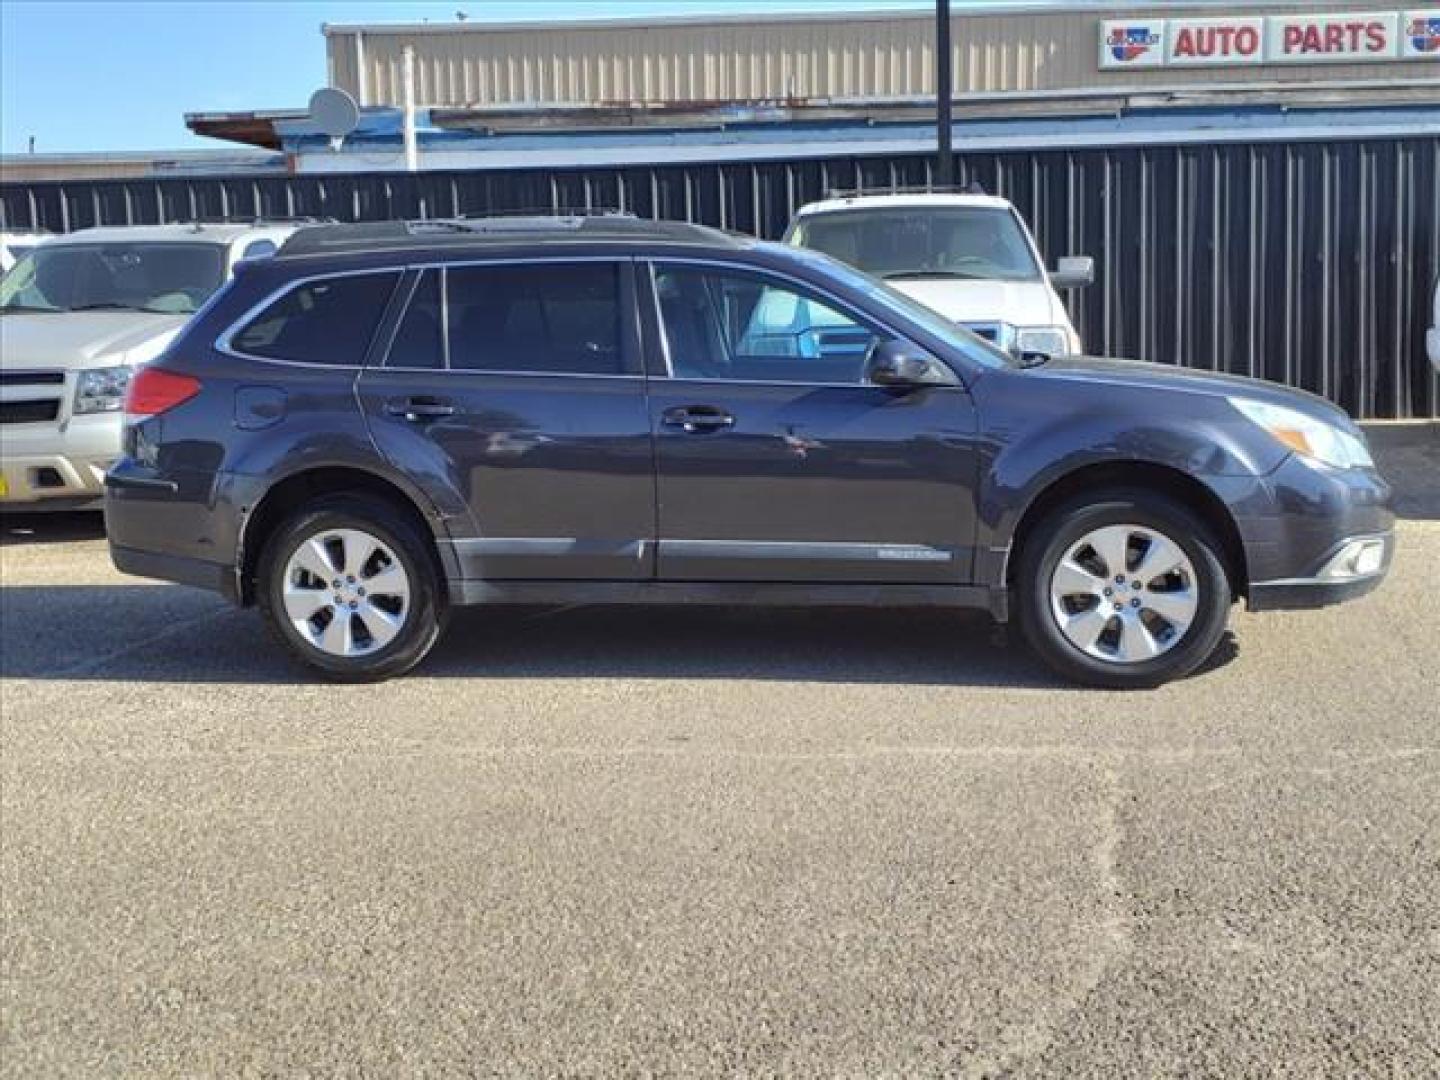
(610, 841)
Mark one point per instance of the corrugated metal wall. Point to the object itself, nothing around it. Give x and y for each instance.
(780, 57)
(1304, 263)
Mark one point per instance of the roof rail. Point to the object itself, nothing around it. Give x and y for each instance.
(549, 211)
(244, 219)
(974, 187)
(492, 225)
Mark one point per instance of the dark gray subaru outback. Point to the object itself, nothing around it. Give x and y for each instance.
(384, 421)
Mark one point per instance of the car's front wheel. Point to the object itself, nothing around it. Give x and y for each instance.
(348, 584)
(1122, 589)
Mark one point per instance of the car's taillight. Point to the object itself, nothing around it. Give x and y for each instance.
(153, 391)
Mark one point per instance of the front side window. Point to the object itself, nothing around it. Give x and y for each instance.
(326, 321)
(915, 242)
(163, 278)
(542, 318)
(739, 326)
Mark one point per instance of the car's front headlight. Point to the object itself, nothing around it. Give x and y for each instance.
(1050, 340)
(102, 389)
(1305, 435)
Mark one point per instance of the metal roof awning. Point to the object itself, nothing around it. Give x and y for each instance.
(798, 120)
(250, 128)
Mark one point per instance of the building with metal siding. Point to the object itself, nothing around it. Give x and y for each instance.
(1029, 48)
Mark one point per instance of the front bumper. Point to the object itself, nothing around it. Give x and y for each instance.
(1322, 589)
(1300, 538)
(57, 466)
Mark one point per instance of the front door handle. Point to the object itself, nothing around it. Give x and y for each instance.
(418, 409)
(696, 418)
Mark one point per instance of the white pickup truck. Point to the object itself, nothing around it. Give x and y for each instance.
(77, 315)
(968, 256)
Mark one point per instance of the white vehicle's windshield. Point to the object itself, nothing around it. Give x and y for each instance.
(158, 277)
(964, 242)
(892, 301)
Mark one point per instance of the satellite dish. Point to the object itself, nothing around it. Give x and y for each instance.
(335, 113)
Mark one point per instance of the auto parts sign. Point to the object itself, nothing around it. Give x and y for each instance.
(1331, 38)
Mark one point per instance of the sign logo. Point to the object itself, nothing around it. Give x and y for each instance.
(1424, 34)
(1128, 43)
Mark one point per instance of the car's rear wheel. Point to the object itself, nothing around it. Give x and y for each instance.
(348, 584)
(1122, 589)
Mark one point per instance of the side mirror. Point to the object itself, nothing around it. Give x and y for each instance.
(900, 364)
(1074, 272)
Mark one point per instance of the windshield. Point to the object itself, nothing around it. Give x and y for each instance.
(964, 242)
(158, 277)
(892, 301)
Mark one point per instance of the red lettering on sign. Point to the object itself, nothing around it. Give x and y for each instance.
(1375, 37)
(1216, 41)
(1294, 36)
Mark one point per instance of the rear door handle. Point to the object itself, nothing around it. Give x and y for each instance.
(417, 409)
(695, 418)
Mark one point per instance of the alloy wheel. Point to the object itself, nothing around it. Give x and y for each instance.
(1124, 593)
(346, 592)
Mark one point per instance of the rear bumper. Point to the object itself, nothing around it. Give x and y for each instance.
(175, 568)
(1319, 590)
(171, 527)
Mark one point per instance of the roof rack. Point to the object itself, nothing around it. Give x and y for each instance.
(550, 211)
(974, 187)
(458, 232)
(514, 221)
(298, 219)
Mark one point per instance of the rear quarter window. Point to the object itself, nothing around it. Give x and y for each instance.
(327, 321)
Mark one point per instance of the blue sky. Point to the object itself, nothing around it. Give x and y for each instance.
(119, 75)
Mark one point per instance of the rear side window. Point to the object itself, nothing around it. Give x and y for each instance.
(545, 318)
(419, 339)
(326, 321)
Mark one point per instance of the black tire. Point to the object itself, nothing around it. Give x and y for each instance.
(1047, 543)
(424, 616)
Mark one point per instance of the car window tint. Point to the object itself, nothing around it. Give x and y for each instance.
(419, 340)
(328, 321)
(731, 325)
(258, 249)
(550, 318)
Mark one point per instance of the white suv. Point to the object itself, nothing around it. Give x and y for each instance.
(1432, 336)
(970, 257)
(77, 314)
(14, 246)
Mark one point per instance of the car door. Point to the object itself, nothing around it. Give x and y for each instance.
(514, 391)
(776, 461)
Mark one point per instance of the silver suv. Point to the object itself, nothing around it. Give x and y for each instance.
(80, 313)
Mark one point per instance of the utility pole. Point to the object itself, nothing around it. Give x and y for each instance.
(945, 163)
(407, 130)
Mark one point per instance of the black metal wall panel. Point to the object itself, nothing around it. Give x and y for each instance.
(1305, 263)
